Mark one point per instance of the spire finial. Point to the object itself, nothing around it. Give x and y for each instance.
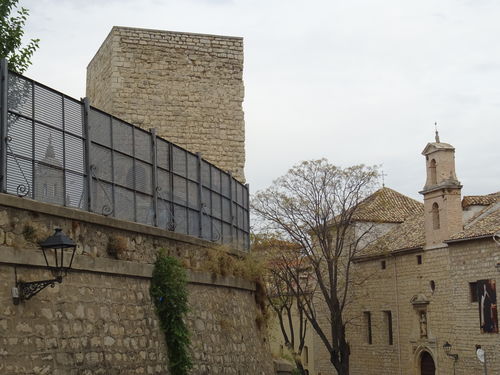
(49, 152)
(437, 134)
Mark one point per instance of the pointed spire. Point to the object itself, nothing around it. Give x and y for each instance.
(49, 152)
(437, 134)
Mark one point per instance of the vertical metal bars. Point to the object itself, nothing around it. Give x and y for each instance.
(3, 124)
(200, 195)
(154, 156)
(86, 134)
(72, 154)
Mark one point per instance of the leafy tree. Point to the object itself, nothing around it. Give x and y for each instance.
(11, 34)
(313, 206)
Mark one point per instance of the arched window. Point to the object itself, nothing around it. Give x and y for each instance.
(433, 174)
(435, 216)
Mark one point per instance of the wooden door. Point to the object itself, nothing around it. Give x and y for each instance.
(427, 366)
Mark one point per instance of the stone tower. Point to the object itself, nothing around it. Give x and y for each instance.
(187, 86)
(442, 193)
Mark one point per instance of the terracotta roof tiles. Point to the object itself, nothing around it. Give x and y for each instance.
(486, 223)
(480, 200)
(386, 206)
(410, 233)
(407, 235)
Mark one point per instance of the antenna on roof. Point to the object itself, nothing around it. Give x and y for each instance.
(437, 134)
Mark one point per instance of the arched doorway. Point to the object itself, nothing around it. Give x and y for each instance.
(427, 366)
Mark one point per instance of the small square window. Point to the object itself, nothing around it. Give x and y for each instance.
(473, 291)
(419, 259)
(383, 265)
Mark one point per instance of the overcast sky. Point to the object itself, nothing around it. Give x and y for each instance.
(355, 81)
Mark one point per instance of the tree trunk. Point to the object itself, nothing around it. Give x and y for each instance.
(300, 367)
(340, 357)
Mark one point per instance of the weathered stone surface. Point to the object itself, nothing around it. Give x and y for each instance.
(451, 316)
(102, 322)
(187, 86)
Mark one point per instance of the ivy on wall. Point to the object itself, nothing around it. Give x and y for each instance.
(169, 294)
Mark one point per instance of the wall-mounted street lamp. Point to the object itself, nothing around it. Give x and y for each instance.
(58, 252)
(447, 350)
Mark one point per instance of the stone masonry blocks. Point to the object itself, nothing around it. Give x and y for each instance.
(187, 86)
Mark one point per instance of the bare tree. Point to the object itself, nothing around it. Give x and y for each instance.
(313, 206)
(284, 267)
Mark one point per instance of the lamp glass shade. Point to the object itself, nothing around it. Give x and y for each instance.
(58, 251)
(447, 347)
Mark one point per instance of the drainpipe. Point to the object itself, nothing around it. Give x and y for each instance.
(397, 313)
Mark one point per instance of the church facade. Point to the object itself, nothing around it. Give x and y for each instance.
(430, 302)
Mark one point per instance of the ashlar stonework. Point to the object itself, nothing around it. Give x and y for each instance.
(187, 86)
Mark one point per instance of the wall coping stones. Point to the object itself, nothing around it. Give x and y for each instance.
(84, 263)
(176, 32)
(92, 218)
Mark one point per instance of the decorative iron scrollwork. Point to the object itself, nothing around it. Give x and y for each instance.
(215, 236)
(171, 224)
(22, 190)
(107, 209)
(28, 290)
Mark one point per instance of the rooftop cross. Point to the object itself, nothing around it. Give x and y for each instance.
(383, 179)
(437, 134)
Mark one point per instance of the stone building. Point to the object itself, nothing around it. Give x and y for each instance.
(377, 215)
(187, 86)
(431, 285)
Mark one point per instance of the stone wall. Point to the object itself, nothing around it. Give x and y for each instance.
(187, 86)
(451, 316)
(89, 324)
(100, 320)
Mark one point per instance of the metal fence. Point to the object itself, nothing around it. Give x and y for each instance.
(62, 151)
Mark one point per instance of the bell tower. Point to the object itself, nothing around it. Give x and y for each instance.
(442, 193)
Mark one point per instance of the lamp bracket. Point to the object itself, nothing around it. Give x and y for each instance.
(29, 289)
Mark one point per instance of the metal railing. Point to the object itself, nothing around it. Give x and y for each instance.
(59, 150)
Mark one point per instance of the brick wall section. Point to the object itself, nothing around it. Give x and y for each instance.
(187, 86)
(450, 314)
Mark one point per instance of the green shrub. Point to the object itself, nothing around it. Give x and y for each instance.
(169, 294)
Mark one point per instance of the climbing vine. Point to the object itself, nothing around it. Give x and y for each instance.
(168, 291)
